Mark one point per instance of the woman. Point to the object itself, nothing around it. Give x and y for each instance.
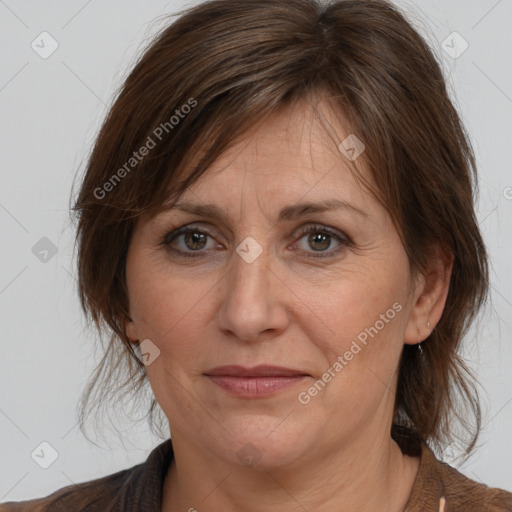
(277, 225)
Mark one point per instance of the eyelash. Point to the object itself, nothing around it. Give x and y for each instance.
(343, 240)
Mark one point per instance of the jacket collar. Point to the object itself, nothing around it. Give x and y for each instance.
(143, 488)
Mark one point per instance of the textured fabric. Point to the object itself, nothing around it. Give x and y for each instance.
(438, 488)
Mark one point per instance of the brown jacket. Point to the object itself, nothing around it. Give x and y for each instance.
(438, 488)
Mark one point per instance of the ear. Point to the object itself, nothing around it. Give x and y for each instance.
(130, 330)
(430, 291)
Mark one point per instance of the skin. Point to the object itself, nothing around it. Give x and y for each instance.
(286, 308)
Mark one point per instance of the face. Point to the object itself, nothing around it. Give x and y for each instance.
(261, 279)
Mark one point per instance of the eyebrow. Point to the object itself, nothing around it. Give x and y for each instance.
(285, 214)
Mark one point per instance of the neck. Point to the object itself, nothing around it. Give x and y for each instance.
(328, 480)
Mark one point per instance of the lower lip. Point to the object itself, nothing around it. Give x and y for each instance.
(254, 387)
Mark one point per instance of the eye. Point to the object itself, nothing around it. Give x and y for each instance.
(189, 241)
(319, 239)
(192, 241)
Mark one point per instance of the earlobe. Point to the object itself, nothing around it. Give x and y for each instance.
(430, 295)
(131, 331)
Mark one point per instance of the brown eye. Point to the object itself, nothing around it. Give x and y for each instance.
(189, 241)
(195, 240)
(319, 239)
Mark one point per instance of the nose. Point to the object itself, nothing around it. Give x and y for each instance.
(253, 300)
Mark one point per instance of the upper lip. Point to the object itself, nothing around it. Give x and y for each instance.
(256, 371)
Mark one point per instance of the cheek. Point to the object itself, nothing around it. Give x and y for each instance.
(171, 312)
(168, 313)
(357, 326)
(356, 307)
(159, 299)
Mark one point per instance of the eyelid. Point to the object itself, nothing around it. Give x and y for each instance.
(298, 234)
(313, 227)
(175, 232)
(343, 239)
(301, 230)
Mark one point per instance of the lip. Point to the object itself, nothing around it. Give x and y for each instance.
(261, 370)
(257, 382)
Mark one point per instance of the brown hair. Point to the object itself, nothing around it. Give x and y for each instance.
(234, 63)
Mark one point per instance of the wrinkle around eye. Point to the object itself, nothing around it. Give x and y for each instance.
(171, 240)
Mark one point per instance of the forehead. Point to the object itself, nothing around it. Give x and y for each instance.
(294, 152)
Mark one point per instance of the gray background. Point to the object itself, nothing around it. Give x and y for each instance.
(50, 110)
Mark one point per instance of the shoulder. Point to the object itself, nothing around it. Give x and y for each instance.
(135, 488)
(439, 487)
(442, 488)
(463, 493)
(85, 496)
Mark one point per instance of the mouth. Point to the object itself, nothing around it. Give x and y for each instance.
(257, 382)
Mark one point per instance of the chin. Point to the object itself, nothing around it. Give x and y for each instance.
(263, 443)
